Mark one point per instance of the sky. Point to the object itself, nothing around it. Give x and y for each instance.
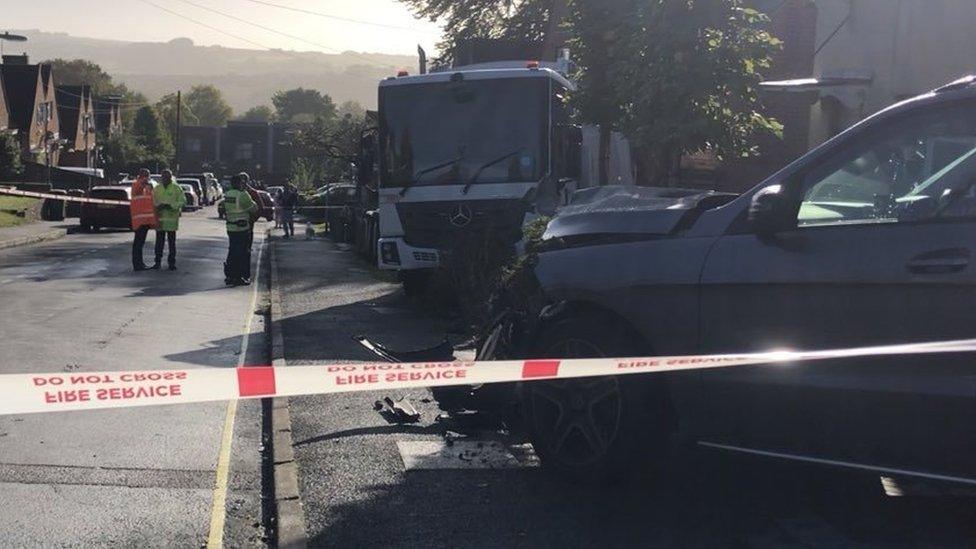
(139, 20)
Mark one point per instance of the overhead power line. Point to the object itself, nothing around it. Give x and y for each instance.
(334, 17)
(249, 41)
(260, 26)
(205, 25)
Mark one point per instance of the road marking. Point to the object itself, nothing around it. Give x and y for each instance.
(839, 463)
(218, 506)
(463, 454)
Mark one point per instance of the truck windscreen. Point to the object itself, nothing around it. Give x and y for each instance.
(456, 133)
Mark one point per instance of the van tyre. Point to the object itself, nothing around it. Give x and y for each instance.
(596, 429)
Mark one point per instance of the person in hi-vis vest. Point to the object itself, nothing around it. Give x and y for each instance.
(143, 213)
(169, 200)
(240, 209)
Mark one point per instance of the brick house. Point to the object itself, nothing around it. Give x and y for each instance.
(76, 111)
(264, 150)
(29, 90)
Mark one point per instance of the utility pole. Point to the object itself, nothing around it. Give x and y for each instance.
(179, 120)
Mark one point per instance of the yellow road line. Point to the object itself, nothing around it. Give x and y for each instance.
(218, 505)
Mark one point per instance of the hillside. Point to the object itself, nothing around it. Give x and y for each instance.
(247, 77)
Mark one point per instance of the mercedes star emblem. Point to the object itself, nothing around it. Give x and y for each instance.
(461, 216)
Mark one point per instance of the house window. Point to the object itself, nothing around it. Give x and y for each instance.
(244, 151)
(193, 144)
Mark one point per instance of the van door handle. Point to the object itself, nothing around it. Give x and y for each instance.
(950, 260)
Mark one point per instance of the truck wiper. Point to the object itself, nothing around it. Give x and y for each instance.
(485, 166)
(416, 176)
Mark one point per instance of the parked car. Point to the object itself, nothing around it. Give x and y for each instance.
(267, 205)
(73, 209)
(340, 200)
(96, 216)
(204, 186)
(869, 239)
(192, 199)
(197, 188)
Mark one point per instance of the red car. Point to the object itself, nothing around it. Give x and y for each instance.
(96, 216)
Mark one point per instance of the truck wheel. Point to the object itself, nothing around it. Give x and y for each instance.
(595, 429)
(415, 281)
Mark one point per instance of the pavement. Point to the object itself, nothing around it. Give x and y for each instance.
(363, 481)
(138, 476)
(32, 233)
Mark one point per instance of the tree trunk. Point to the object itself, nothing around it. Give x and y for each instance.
(555, 37)
(604, 160)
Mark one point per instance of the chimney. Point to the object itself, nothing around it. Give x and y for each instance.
(15, 59)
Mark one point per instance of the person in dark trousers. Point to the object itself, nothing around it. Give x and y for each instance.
(169, 201)
(240, 209)
(143, 213)
(288, 203)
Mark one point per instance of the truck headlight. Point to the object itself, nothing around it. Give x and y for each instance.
(389, 253)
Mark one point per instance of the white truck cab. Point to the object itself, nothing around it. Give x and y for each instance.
(469, 149)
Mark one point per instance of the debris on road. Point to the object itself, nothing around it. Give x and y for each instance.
(397, 411)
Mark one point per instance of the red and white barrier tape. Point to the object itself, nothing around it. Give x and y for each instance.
(30, 393)
(62, 197)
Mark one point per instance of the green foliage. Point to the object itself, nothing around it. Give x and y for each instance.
(149, 133)
(331, 145)
(261, 113)
(303, 106)
(202, 106)
(121, 153)
(467, 19)
(76, 72)
(306, 173)
(676, 76)
(10, 164)
(207, 106)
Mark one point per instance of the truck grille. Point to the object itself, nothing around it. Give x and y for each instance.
(441, 224)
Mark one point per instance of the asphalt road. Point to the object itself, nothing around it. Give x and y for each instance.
(367, 482)
(128, 477)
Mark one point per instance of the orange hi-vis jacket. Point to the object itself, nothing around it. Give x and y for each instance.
(141, 205)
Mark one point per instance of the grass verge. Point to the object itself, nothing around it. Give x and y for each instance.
(16, 210)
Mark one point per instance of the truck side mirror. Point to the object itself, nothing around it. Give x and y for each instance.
(568, 151)
(772, 210)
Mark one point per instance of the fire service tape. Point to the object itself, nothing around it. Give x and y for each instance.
(68, 198)
(31, 393)
(62, 197)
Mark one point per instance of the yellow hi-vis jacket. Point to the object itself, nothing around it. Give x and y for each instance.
(238, 206)
(172, 195)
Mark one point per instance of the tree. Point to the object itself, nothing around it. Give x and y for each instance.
(148, 132)
(675, 76)
(80, 71)
(261, 113)
(467, 19)
(303, 106)
(10, 165)
(327, 147)
(208, 106)
(121, 153)
(352, 108)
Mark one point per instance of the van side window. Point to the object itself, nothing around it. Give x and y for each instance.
(910, 169)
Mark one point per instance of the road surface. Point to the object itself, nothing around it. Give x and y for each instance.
(140, 476)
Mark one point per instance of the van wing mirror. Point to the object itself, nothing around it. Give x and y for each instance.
(772, 210)
(568, 153)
